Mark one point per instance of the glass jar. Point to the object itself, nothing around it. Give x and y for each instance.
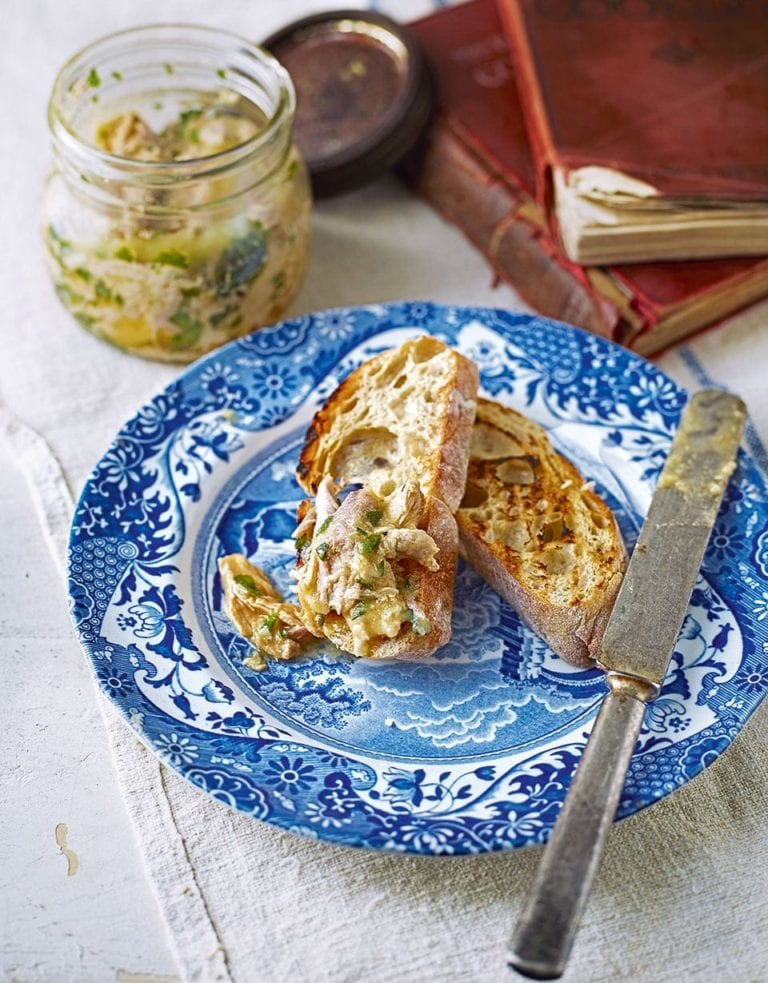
(177, 214)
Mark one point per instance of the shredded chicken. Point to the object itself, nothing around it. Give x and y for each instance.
(350, 555)
(259, 613)
(405, 506)
(325, 501)
(415, 543)
(127, 135)
(307, 522)
(198, 132)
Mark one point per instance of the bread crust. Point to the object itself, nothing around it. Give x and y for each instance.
(456, 437)
(355, 415)
(540, 537)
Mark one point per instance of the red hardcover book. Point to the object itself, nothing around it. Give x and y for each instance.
(477, 169)
(475, 166)
(648, 123)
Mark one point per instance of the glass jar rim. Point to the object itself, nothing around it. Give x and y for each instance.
(66, 135)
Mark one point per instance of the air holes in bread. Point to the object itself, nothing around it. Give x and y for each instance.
(516, 471)
(514, 534)
(599, 519)
(474, 496)
(559, 561)
(368, 449)
(553, 530)
(489, 443)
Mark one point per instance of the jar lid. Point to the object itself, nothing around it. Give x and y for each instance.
(363, 94)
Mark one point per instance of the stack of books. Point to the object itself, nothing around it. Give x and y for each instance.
(611, 163)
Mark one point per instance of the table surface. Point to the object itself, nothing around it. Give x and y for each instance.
(57, 765)
(75, 896)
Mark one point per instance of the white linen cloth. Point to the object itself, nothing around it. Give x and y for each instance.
(682, 892)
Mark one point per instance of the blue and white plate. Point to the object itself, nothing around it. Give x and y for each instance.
(469, 752)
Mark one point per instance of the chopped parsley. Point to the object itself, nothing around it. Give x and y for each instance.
(218, 316)
(268, 625)
(188, 114)
(190, 329)
(370, 543)
(359, 609)
(373, 517)
(102, 290)
(278, 285)
(172, 257)
(69, 296)
(325, 523)
(60, 241)
(246, 581)
(322, 551)
(421, 626)
(93, 80)
(84, 320)
(184, 130)
(221, 73)
(168, 68)
(83, 273)
(301, 542)
(117, 76)
(293, 168)
(124, 253)
(241, 262)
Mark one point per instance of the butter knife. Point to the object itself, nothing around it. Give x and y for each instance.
(636, 651)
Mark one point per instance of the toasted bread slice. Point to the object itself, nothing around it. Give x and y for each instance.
(376, 568)
(539, 535)
(406, 413)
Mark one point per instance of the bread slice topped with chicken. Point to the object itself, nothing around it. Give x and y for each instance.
(539, 535)
(386, 461)
(401, 463)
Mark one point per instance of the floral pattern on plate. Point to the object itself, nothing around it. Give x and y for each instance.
(469, 752)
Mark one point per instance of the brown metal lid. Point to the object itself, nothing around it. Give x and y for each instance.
(364, 94)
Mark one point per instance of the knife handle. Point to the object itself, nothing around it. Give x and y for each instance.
(546, 929)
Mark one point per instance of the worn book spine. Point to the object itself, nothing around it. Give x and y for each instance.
(671, 93)
(534, 110)
(504, 223)
(476, 168)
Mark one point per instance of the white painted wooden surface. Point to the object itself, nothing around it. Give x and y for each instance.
(102, 922)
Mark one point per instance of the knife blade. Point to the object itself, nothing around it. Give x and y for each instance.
(636, 651)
